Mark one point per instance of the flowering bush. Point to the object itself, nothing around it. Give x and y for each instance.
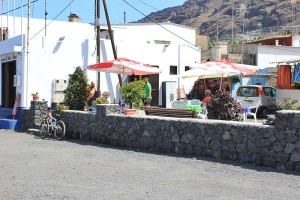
(106, 94)
(222, 106)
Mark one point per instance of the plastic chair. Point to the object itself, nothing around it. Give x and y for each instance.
(248, 108)
(195, 102)
(179, 105)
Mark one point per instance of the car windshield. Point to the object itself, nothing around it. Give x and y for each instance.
(248, 92)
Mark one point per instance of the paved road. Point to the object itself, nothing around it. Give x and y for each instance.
(32, 168)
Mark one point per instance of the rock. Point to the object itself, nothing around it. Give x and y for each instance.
(289, 148)
(188, 149)
(278, 147)
(242, 148)
(178, 148)
(226, 135)
(215, 144)
(292, 138)
(269, 162)
(207, 152)
(296, 123)
(176, 138)
(295, 157)
(280, 167)
(185, 139)
(282, 157)
(257, 159)
(289, 165)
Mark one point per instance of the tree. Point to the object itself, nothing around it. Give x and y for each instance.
(76, 92)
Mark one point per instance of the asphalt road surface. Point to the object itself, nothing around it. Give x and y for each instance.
(33, 168)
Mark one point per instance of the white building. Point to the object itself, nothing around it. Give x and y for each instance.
(53, 54)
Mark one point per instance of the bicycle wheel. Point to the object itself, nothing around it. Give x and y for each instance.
(60, 132)
(44, 128)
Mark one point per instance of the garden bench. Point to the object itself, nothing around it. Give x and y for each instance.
(170, 112)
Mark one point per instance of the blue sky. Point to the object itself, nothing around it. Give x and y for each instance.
(85, 9)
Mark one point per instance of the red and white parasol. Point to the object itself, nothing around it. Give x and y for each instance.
(125, 66)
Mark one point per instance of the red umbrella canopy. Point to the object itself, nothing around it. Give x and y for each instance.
(244, 69)
(228, 66)
(125, 66)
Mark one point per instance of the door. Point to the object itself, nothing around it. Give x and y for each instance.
(269, 98)
(8, 89)
(154, 81)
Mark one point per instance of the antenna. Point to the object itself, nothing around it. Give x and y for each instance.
(124, 17)
(46, 13)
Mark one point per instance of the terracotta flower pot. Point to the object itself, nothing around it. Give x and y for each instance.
(129, 111)
(36, 98)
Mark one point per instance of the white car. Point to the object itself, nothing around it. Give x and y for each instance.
(251, 95)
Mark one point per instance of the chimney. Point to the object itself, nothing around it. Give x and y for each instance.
(73, 18)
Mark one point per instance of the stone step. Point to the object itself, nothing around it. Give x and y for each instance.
(33, 131)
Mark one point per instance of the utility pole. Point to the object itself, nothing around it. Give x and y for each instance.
(27, 54)
(111, 38)
(98, 41)
(232, 20)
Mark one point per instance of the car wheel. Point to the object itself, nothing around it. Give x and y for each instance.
(263, 112)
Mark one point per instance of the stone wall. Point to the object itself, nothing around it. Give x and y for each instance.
(33, 116)
(272, 146)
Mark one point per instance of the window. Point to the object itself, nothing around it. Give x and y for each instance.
(173, 70)
(248, 92)
(268, 92)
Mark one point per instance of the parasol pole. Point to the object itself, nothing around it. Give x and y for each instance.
(111, 37)
(97, 16)
(221, 82)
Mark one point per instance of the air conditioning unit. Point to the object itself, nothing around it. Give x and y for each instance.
(60, 85)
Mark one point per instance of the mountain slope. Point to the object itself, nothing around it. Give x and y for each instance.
(209, 16)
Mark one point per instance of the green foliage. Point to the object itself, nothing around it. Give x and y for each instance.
(133, 93)
(222, 106)
(76, 92)
(212, 84)
(287, 104)
(100, 100)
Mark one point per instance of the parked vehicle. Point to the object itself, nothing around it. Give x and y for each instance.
(252, 94)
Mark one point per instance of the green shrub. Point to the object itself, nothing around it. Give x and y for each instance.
(287, 104)
(100, 100)
(76, 92)
(222, 106)
(133, 93)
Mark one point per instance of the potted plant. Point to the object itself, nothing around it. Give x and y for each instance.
(100, 100)
(133, 94)
(35, 96)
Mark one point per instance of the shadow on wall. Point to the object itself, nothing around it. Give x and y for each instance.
(57, 46)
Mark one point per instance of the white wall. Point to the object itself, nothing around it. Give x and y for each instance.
(294, 94)
(51, 59)
(268, 54)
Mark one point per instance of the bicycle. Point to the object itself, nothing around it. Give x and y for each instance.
(51, 125)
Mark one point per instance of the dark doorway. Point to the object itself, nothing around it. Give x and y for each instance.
(8, 89)
(154, 81)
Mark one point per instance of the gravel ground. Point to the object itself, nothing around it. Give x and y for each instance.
(33, 168)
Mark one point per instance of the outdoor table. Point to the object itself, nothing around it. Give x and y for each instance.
(196, 108)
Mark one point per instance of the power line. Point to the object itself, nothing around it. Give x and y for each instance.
(149, 5)
(53, 19)
(19, 7)
(159, 24)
